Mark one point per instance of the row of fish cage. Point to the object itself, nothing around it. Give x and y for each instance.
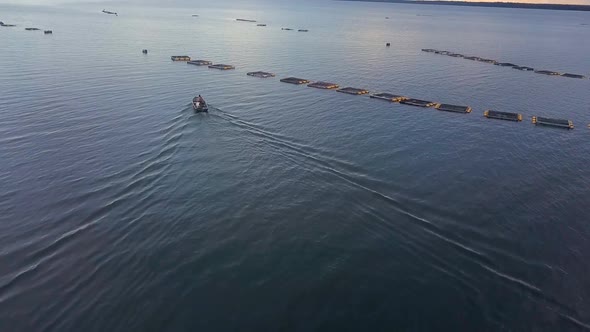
(491, 114)
(502, 64)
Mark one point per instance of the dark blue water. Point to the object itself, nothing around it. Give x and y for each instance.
(290, 208)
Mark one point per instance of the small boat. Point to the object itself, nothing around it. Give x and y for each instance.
(109, 12)
(200, 105)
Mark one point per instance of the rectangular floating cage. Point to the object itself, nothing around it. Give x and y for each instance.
(505, 64)
(560, 123)
(487, 60)
(573, 75)
(323, 85)
(547, 72)
(389, 97)
(502, 115)
(453, 108)
(523, 68)
(261, 74)
(200, 63)
(353, 91)
(180, 58)
(418, 102)
(294, 80)
(222, 66)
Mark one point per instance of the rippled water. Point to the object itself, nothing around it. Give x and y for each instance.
(290, 208)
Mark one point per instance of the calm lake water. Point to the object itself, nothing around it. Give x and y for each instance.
(288, 208)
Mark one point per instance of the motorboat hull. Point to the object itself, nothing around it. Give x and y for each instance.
(199, 108)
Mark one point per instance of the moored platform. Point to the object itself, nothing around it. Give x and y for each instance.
(353, 91)
(222, 66)
(388, 97)
(294, 80)
(523, 68)
(200, 63)
(418, 102)
(502, 115)
(453, 108)
(323, 85)
(180, 58)
(505, 64)
(547, 72)
(261, 74)
(560, 123)
(573, 75)
(487, 60)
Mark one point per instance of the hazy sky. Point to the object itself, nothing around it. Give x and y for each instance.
(51, 2)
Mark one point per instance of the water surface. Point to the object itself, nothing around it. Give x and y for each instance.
(290, 208)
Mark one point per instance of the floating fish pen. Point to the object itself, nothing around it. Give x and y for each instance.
(245, 20)
(261, 74)
(523, 68)
(260, 25)
(560, 123)
(200, 63)
(453, 108)
(547, 72)
(456, 55)
(417, 102)
(486, 60)
(180, 58)
(474, 58)
(323, 85)
(353, 91)
(222, 67)
(32, 29)
(302, 30)
(388, 97)
(428, 50)
(294, 80)
(573, 75)
(48, 32)
(502, 115)
(505, 64)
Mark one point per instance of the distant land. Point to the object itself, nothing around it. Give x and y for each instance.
(489, 4)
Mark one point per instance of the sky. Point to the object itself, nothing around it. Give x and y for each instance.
(55, 2)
